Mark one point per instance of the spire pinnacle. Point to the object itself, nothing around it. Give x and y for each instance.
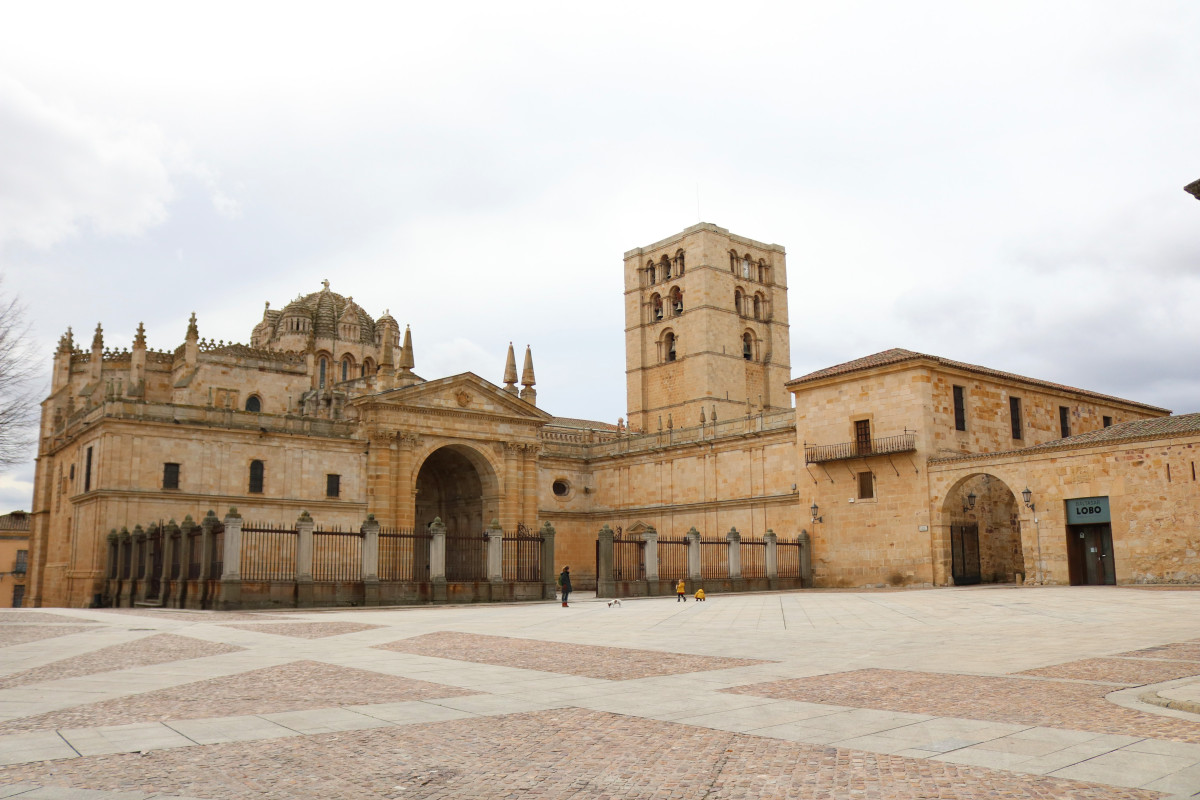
(140, 339)
(98, 338)
(406, 351)
(510, 371)
(193, 332)
(527, 371)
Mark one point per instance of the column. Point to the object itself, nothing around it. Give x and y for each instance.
(437, 560)
(548, 576)
(370, 561)
(404, 489)
(605, 586)
(650, 553)
(171, 560)
(772, 557)
(380, 493)
(735, 554)
(142, 570)
(230, 596)
(693, 537)
(805, 559)
(304, 559)
(510, 500)
(529, 504)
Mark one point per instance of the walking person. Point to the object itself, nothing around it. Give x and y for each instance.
(681, 591)
(564, 581)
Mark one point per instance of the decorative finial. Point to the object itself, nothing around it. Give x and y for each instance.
(325, 283)
(140, 339)
(193, 332)
(510, 371)
(527, 371)
(98, 338)
(406, 352)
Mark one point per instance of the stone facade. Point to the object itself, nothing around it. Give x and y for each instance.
(323, 413)
(14, 558)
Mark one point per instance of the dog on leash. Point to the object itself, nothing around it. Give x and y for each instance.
(616, 603)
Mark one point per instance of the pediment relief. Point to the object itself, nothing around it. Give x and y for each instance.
(465, 393)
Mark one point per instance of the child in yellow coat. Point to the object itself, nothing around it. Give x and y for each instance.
(699, 595)
(681, 592)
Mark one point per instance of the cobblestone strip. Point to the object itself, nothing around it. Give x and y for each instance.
(289, 687)
(306, 630)
(1056, 704)
(15, 617)
(1127, 671)
(21, 634)
(159, 649)
(551, 754)
(591, 661)
(1189, 651)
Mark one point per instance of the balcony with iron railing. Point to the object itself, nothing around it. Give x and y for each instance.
(819, 453)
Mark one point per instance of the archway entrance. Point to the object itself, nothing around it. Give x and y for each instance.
(457, 485)
(985, 531)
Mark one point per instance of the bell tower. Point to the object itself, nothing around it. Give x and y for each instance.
(706, 329)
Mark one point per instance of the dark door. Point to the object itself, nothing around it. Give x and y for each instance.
(964, 554)
(1096, 555)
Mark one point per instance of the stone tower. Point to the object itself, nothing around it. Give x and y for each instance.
(706, 328)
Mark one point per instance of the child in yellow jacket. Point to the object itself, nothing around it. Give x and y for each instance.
(699, 595)
(681, 591)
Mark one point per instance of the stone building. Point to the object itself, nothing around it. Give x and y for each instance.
(14, 558)
(904, 468)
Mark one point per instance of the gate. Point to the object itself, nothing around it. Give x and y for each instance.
(964, 554)
(521, 559)
(466, 557)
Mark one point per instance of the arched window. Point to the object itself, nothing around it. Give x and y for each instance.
(738, 305)
(256, 477)
(746, 266)
(347, 368)
(733, 261)
(669, 347)
(323, 366)
(757, 306)
(763, 269)
(679, 262)
(368, 367)
(677, 301)
(656, 308)
(254, 403)
(650, 272)
(747, 347)
(666, 268)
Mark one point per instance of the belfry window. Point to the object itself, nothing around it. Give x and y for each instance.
(679, 262)
(677, 301)
(738, 305)
(321, 379)
(256, 477)
(656, 305)
(757, 307)
(669, 343)
(746, 266)
(650, 272)
(747, 347)
(666, 269)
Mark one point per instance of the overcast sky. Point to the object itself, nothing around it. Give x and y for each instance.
(997, 183)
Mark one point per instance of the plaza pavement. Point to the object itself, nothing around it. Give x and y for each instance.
(997, 692)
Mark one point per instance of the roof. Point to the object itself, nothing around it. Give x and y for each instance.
(585, 424)
(15, 521)
(1137, 431)
(899, 355)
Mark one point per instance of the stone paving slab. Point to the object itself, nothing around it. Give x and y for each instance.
(41, 746)
(554, 754)
(123, 738)
(304, 630)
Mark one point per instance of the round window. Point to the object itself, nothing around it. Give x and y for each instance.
(560, 488)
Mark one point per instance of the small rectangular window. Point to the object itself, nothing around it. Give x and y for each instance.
(1064, 421)
(170, 476)
(18, 596)
(1014, 414)
(866, 485)
(1108, 422)
(22, 563)
(256, 477)
(862, 437)
(960, 408)
(87, 471)
(333, 485)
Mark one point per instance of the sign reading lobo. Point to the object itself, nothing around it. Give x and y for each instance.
(1087, 511)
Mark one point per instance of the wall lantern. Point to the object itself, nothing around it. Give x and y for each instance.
(813, 508)
(969, 504)
(1027, 496)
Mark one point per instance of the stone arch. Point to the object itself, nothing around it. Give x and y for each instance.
(459, 483)
(984, 500)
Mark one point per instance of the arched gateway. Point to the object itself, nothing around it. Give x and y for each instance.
(982, 524)
(457, 484)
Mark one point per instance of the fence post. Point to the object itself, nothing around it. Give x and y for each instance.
(304, 559)
(143, 566)
(495, 556)
(207, 525)
(179, 592)
(168, 586)
(370, 561)
(437, 560)
(772, 557)
(547, 561)
(735, 556)
(694, 571)
(650, 537)
(231, 562)
(112, 584)
(605, 586)
(805, 559)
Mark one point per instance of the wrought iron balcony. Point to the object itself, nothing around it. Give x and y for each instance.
(818, 453)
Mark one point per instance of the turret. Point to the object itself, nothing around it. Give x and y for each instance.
(97, 359)
(62, 360)
(510, 371)
(528, 393)
(405, 376)
(137, 364)
(191, 343)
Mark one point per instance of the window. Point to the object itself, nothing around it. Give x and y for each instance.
(733, 261)
(1064, 421)
(677, 301)
(1014, 416)
(666, 269)
(254, 404)
(747, 347)
(256, 477)
(866, 485)
(346, 366)
(323, 366)
(333, 485)
(1108, 422)
(757, 307)
(560, 488)
(650, 272)
(862, 436)
(656, 306)
(87, 471)
(738, 305)
(170, 476)
(678, 262)
(669, 341)
(21, 566)
(18, 596)
(746, 266)
(764, 272)
(960, 408)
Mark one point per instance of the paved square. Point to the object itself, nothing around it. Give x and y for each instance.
(988, 692)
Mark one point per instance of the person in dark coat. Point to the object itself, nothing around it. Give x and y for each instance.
(564, 581)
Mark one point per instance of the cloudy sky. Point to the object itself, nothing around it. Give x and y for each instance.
(998, 183)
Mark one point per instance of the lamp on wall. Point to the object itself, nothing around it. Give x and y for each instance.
(1027, 496)
(813, 508)
(969, 502)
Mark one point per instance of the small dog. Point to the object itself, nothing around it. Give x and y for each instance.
(616, 603)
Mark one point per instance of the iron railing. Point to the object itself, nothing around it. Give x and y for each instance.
(404, 555)
(337, 556)
(522, 556)
(714, 558)
(754, 557)
(672, 559)
(787, 556)
(629, 557)
(819, 453)
(268, 553)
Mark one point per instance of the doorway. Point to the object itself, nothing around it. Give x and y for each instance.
(1090, 555)
(964, 554)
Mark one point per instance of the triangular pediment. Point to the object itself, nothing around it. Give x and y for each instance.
(465, 393)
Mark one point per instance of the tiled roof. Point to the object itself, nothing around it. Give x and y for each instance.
(1137, 431)
(571, 422)
(16, 521)
(899, 355)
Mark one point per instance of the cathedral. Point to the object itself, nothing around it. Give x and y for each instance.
(901, 468)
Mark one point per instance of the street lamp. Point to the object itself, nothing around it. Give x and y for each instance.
(969, 503)
(1027, 495)
(813, 508)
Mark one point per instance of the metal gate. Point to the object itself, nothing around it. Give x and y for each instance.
(964, 554)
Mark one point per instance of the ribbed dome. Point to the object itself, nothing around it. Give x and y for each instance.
(323, 309)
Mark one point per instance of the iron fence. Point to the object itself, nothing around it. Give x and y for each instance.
(466, 557)
(404, 555)
(194, 543)
(672, 559)
(629, 558)
(787, 555)
(217, 554)
(714, 558)
(754, 557)
(522, 556)
(268, 553)
(337, 556)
